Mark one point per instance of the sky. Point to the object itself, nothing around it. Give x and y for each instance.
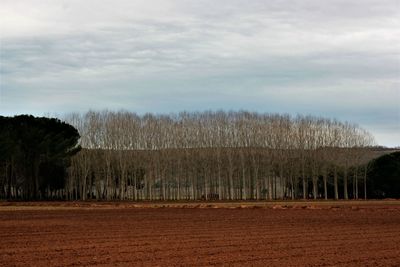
(337, 59)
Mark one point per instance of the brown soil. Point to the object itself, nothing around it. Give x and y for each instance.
(272, 234)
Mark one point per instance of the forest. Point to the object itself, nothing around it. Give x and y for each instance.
(106, 155)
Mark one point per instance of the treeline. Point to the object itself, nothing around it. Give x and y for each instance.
(216, 155)
(185, 156)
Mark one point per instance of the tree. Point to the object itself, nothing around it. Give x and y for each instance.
(384, 176)
(39, 148)
(224, 155)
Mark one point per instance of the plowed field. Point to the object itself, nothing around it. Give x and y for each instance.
(216, 234)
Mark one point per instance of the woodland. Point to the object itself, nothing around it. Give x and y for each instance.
(106, 155)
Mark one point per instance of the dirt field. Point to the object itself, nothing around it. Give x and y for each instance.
(181, 234)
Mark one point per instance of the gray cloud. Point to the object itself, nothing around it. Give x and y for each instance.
(336, 58)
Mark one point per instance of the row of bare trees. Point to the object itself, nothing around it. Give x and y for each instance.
(216, 155)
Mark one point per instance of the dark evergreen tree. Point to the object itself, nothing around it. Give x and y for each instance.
(34, 153)
(384, 176)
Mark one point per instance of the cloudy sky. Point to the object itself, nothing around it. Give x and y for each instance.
(338, 59)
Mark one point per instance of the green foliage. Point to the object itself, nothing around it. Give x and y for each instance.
(37, 150)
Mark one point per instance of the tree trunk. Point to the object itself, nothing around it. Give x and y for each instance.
(304, 181)
(345, 193)
(335, 183)
(325, 178)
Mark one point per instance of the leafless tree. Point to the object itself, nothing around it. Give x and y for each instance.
(213, 155)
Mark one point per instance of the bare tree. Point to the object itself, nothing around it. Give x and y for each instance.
(213, 155)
